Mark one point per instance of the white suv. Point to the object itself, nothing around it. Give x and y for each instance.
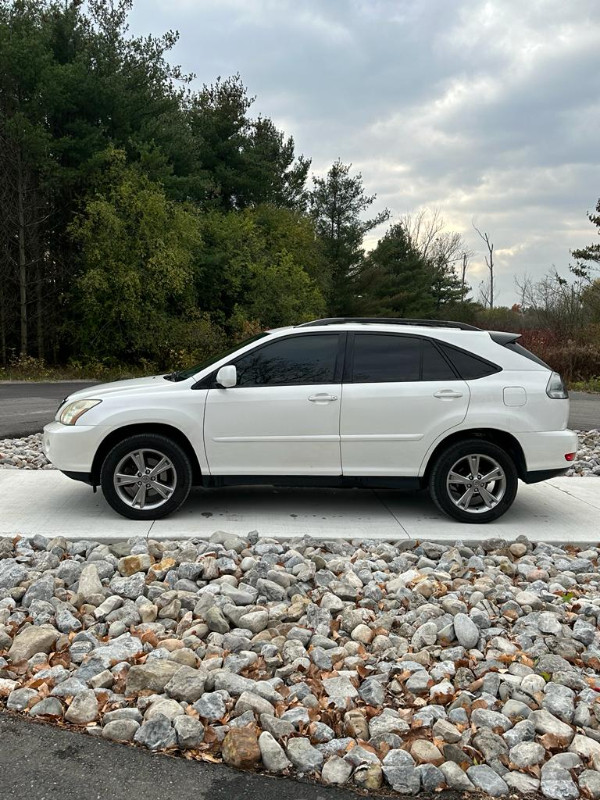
(334, 402)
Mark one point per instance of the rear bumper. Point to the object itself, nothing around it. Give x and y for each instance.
(543, 475)
(84, 477)
(545, 451)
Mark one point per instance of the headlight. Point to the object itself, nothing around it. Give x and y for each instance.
(75, 410)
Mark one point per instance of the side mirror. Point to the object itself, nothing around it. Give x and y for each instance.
(227, 376)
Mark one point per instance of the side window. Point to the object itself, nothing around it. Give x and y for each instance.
(468, 366)
(386, 358)
(298, 360)
(435, 366)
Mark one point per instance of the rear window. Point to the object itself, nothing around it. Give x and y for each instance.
(468, 366)
(523, 351)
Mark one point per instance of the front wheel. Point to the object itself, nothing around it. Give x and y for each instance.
(474, 481)
(146, 476)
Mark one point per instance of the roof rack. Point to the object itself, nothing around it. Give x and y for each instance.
(429, 323)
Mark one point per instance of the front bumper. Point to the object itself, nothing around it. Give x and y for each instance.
(72, 448)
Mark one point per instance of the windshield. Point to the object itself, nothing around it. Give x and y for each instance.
(184, 374)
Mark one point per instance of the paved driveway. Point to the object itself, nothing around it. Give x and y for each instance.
(564, 509)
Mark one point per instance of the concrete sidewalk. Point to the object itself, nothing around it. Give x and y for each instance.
(46, 502)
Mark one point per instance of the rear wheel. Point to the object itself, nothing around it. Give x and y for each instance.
(146, 476)
(474, 481)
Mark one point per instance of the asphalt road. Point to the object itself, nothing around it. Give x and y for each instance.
(26, 407)
(41, 762)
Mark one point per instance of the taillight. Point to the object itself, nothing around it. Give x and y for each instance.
(556, 388)
(570, 456)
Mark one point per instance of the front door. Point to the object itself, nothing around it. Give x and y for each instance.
(283, 416)
(400, 394)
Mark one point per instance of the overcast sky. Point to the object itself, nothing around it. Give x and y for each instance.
(489, 111)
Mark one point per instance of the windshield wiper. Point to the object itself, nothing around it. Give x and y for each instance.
(172, 376)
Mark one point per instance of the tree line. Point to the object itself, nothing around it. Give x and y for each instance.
(144, 221)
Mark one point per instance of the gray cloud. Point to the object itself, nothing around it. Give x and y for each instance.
(485, 110)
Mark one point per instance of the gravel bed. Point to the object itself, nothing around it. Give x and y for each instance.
(26, 453)
(408, 666)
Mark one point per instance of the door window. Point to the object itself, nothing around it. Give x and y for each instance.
(306, 359)
(386, 358)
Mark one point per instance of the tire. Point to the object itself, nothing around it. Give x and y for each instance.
(468, 498)
(137, 457)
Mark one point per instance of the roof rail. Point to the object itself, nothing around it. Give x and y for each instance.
(430, 323)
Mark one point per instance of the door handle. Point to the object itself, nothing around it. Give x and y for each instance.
(447, 394)
(322, 398)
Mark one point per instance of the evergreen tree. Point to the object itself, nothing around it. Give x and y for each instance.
(396, 279)
(338, 202)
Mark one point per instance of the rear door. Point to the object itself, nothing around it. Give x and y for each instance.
(400, 393)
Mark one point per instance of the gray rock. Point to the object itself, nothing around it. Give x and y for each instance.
(32, 640)
(339, 687)
(466, 631)
(557, 784)
(132, 586)
(272, 753)
(186, 684)
(303, 755)
(527, 754)
(456, 778)
(189, 731)
(156, 733)
(400, 772)
(154, 675)
(493, 720)
(11, 573)
(248, 701)
(432, 777)
(278, 728)
(120, 730)
(167, 707)
(560, 701)
(589, 781)
(49, 707)
(544, 722)
(19, 699)
(213, 616)
(484, 778)
(234, 684)
(211, 706)
(585, 747)
(122, 713)
(90, 589)
(255, 621)
(70, 687)
(336, 771)
(526, 784)
(372, 692)
(83, 708)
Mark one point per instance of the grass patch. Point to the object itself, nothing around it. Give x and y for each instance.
(591, 385)
(35, 369)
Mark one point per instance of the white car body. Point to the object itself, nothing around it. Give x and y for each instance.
(374, 433)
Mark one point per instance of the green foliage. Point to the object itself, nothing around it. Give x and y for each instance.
(136, 256)
(251, 269)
